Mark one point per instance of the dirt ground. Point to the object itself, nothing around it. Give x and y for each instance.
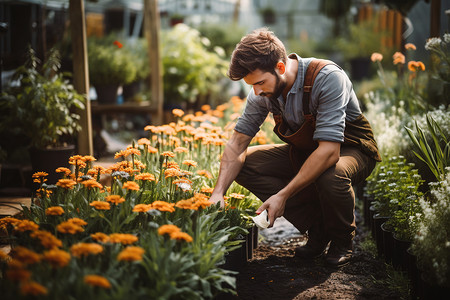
(275, 273)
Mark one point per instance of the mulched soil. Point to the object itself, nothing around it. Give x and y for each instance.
(275, 273)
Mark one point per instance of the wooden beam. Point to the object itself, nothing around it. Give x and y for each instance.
(81, 73)
(152, 33)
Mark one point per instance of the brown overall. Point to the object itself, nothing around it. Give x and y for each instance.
(330, 199)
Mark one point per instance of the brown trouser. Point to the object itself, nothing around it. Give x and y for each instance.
(330, 200)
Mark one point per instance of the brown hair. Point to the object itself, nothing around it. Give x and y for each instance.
(260, 49)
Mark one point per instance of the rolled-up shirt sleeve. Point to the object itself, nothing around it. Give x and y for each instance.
(333, 92)
(255, 112)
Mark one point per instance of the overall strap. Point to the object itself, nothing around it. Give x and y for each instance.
(313, 69)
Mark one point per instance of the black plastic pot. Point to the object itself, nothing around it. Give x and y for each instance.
(413, 273)
(388, 243)
(249, 238)
(372, 212)
(236, 260)
(107, 94)
(400, 255)
(367, 202)
(378, 233)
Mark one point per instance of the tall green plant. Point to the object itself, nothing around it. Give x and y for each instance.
(435, 155)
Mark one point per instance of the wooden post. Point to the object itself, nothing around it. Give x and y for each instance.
(152, 31)
(81, 73)
(435, 18)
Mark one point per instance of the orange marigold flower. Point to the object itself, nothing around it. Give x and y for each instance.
(131, 253)
(131, 150)
(26, 225)
(100, 237)
(237, 196)
(205, 107)
(39, 174)
(89, 158)
(101, 205)
(150, 128)
(64, 170)
(32, 288)
(57, 258)
(97, 280)
(54, 211)
(143, 141)
(66, 183)
(163, 206)
(119, 154)
(91, 183)
(8, 221)
(123, 238)
(415, 66)
(118, 44)
(116, 199)
(145, 176)
(190, 163)
(204, 173)
(203, 203)
(172, 172)
(48, 240)
(181, 236)
(168, 154)
(152, 149)
(181, 150)
(131, 185)
(410, 46)
(85, 249)
(142, 207)
(207, 190)
(168, 229)
(421, 66)
(26, 255)
(69, 227)
(376, 57)
(177, 112)
(75, 159)
(185, 204)
(77, 221)
(18, 274)
(399, 58)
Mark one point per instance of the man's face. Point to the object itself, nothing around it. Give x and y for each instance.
(266, 84)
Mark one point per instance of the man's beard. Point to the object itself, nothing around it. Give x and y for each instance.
(279, 87)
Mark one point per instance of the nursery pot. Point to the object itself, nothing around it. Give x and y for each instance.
(378, 233)
(107, 94)
(399, 255)
(249, 240)
(131, 89)
(388, 242)
(235, 260)
(413, 273)
(48, 160)
(372, 212)
(367, 202)
(255, 237)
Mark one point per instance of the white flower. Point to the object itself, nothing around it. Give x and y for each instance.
(432, 43)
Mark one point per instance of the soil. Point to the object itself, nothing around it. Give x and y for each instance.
(275, 273)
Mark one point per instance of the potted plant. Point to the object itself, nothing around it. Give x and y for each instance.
(111, 65)
(39, 110)
(363, 39)
(138, 49)
(268, 14)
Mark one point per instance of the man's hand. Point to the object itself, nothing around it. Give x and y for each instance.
(275, 207)
(215, 198)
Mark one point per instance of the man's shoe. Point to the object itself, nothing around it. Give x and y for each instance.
(314, 248)
(339, 254)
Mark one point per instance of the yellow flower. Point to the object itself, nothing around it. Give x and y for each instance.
(116, 199)
(142, 207)
(64, 170)
(69, 227)
(66, 183)
(181, 236)
(181, 150)
(100, 237)
(91, 183)
(48, 240)
(168, 229)
(163, 206)
(101, 205)
(97, 280)
(131, 185)
(207, 190)
(84, 249)
(131, 253)
(54, 211)
(26, 255)
(237, 196)
(39, 174)
(172, 172)
(123, 238)
(26, 225)
(57, 257)
(376, 57)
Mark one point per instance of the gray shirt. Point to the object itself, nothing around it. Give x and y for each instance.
(332, 101)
